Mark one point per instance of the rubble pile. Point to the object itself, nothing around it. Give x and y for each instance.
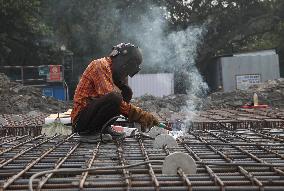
(270, 93)
(167, 107)
(18, 99)
(171, 103)
(181, 106)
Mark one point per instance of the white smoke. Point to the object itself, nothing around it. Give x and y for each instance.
(174, 51)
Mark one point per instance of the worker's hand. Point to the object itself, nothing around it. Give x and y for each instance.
(146, 119)
(126, 93)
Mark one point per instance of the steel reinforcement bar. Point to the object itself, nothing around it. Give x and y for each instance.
(256, 158)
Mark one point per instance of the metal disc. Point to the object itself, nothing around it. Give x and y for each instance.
(163, 140)
(155, 131)
(178, 160)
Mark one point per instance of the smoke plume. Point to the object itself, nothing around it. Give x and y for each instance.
(170, 52)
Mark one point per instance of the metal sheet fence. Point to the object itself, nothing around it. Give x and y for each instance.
(263, 66)
(152, 84)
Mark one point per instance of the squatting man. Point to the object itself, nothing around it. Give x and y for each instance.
(102, 93)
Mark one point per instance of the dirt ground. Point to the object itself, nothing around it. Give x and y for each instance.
(18, 99)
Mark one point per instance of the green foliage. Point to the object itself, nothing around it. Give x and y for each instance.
(90, 28)
(232, 26)
(31, 31)
(21, 31)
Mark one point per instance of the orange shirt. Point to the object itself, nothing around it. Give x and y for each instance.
(96, 81)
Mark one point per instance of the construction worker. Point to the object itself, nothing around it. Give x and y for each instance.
(102, 94)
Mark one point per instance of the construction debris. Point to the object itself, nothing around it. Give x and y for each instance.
(168, 107)
(271, 93)
(172, 108)
(178, 107)
(18, 99)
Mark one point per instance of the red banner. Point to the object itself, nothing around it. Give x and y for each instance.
(54, 72)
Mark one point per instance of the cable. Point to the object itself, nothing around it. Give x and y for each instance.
(108, 122)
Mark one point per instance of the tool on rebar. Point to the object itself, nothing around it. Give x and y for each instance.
(164, 140)
(179, 160)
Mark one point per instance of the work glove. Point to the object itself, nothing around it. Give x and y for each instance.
(146, 119)
(126, 93)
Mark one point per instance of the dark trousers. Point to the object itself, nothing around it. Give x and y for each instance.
(99, 110)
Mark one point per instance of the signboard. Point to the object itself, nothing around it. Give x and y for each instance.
(244, 81)
(43, 70)
(54, 73)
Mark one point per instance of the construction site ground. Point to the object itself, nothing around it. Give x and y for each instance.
(250, 140)
(234, 149)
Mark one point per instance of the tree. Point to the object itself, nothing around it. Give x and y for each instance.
(22, 33)
(232, 26)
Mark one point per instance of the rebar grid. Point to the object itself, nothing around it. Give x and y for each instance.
(30, 124)
(20, 130)
(23, 156)
(22, 124)
(13, 120)
(236, 119)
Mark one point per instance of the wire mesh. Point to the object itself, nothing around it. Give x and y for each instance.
(220, 136)
(22, 156)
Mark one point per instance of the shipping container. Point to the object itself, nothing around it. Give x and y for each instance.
(239, 71)
(158, 85)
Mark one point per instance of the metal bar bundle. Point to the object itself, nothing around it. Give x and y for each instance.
(22, 124)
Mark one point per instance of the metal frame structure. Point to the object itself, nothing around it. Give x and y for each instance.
(234, 119)
(251, 159)
(233, 150)
(23, 79)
